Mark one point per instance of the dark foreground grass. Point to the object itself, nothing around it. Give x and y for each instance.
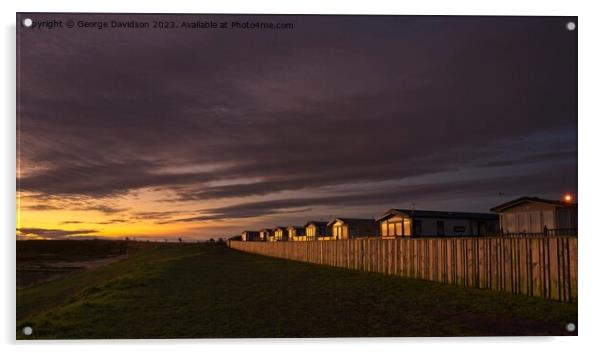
(200, 291)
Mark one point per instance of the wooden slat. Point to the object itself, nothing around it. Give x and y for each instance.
(536, 267)
(554, 270)
(522, 265)
(572, 251)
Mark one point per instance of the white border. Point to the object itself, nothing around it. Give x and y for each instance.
(589, 171)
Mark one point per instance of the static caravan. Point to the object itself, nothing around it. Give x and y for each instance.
(315, 230)
(249, 235)
(416, 223)
(296, 233)
(347, 228)
(535, 215)
(280, 234)
(266, 234)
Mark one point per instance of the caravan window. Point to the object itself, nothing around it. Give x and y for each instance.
(407, 231)
(391, 228)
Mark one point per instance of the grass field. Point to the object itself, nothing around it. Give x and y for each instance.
(210, 291)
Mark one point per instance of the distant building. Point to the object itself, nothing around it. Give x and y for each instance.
(415, 223)
(249, 235)
(315, 230)
(536, 215)
(347, 228)
(296, 233)
(280, 234)
(265, 234)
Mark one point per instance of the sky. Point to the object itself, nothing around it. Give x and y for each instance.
(201, 133)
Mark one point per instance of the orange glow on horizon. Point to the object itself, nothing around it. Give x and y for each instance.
(140, 215)
(568, 198)
(147, 213)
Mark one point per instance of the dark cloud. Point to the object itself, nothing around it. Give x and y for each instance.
(100, 179)
(55, 233)
(42, 207)
(560, 155)
(337, 101)
(102, 208)
(154, 214)
(114, 221)
(53, 203)
(110, 221)
(398, 196)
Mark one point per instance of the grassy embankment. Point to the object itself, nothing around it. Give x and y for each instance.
(208, 290)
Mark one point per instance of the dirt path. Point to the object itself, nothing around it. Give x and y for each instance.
(34, 272)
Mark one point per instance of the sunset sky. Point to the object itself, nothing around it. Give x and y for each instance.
(203, 133)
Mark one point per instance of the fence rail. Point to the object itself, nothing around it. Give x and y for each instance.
(565, 232)
(535, 266)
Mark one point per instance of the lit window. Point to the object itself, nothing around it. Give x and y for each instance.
(407, 224)
(338, 231)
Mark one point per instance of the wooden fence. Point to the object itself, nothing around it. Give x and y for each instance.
(543, 267)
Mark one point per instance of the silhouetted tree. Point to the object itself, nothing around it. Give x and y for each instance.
(211, 240)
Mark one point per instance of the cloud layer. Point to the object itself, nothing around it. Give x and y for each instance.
(55, 234)
(262, 121)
